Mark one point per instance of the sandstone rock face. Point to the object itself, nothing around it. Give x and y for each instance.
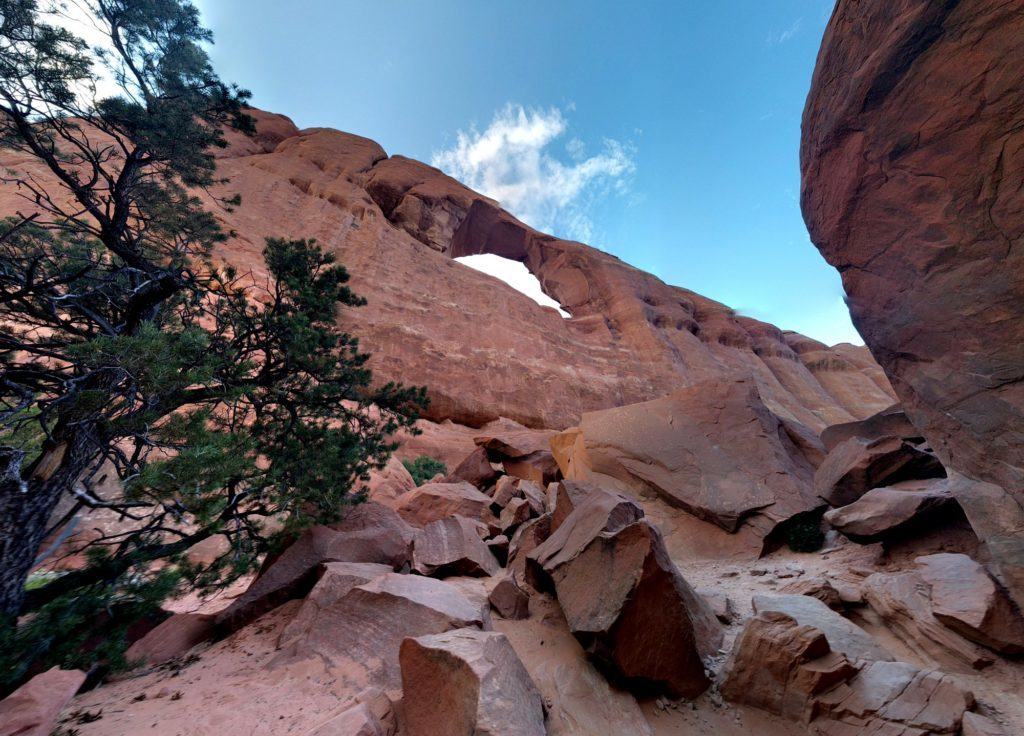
(452, 546)
(434, 501)
(172, 638)
(843, 635)
(625, 600)
(891, 422)
(911, 159)
(882, 512)
(468, 682)
(978, 725)
(714, 449)
(857, 465)
(32, 709)
(969, 601)
(358, 720)
(358, 631)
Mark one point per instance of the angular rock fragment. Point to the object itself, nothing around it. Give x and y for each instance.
(978, 725)
(358, 633)
(625, 600)
(843, 635)
(515, 513)
(475, 469)
(172, 638)
(468, 683)
(720, 604)
(526, 539)
(33, 708)
(969, 601)
(857, 465)
(452, 546)
(433, 501)
(509, 600)
(891, 422)
(890, 510)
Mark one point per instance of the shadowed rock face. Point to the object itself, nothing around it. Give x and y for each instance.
(912, 159)
(396, 224)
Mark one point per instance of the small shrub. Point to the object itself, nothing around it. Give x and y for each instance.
(424, 468)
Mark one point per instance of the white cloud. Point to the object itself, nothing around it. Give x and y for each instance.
(511, 161)
(515, 274)
(776, 37)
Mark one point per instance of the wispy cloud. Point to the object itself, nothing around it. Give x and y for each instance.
(776, 36)
(514, 161)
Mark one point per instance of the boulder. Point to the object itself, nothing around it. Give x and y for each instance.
(33, 708)
(433, 501)
(515, 513)
(514, 442)
(475, 469)
(390, 482)
(452, 546)
(893, 510)
(526, 539)
(568, 495)
(509, 600)
(966, 599)
(781, 666)
(625, 600)
(844, 636)
(713, 449)
(910, 159)
(857, 465)
(720, 604)
(978, 725)
(818, 586)
(499, 548)
(903, 600)
(370, 533)
(468, 683)
(891, 422)
(357, 631)
(538, 467)
(172, 638)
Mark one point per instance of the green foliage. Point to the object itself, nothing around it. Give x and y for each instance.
(803, 533)
(423, 468)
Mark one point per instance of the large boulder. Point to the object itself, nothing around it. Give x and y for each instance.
(476, 469)
(966, 599)
(33, 708)
(509, 599)
(370, 532)
(911, 158)
(468, 683)
(390, 482)
(713, 449)
(452, 546)
(357, 627)
(433, 501)
(843, 635)
(891, 422)
(625, 600)
(857, 465)
(172, 638)
(893, 510)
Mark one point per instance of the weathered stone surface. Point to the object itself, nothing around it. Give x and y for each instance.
(714, 449)
(32, 709)
(452, 546)
(978, 725)
(891, 422)
(892, 510)
(358, 720)
(781, 666)
(514, 443)
(893, 698)
(857, 465)
(509, 600)
(526, 539)
(475, 469)
(624, 598)
(433, 501)
(358, 631)
(911, 157)
(172, 638)
(720, 605)
(389, 483)
(819, 587)
(370, 532)
(903, 600)
(515, 513)
(843, 635)
(468, 683)
(969, 601)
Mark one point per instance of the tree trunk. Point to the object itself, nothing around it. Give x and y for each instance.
(25, 509)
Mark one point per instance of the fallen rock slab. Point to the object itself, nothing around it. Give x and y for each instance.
(887, 511)
(468, 683)
(857, 465)
(843, 635)
(452, 546)
(509, 600)
(969, 601)
(476, 469)
(433, 501)
(172, 638)
(33, 708)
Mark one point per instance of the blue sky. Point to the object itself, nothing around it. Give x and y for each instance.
(664, 132)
